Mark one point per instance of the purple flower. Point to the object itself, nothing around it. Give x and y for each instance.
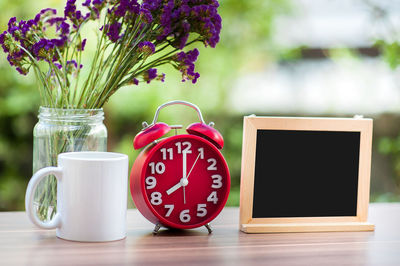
(146, 15)
(60, 43)
(42, 48)
(10, 60)
(72, 62)
(70, 8)
(94, 9)
(58, 65)
(82, 45)
(186, 65)
(150, 24)
(64, 28)
(13, 28)
(78, 15)
(146, 47)
(185, 10)
(113, 31)
(125, 6)
(150, 74)
(97, 7)
(49, 11)
(22, 71)
(26, 26)
(72, 65)
(55, 20)
(2, 37)
(87, 3)
(183, 40)
(152, 5)
(166, 14)
(121, 9)
(95, 14)
(210, 22)
(192, 55)
(37, 18)
(162, 77)
(179, 18)
(11, 22)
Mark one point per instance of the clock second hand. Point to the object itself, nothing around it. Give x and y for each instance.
(184, 181)
(187, 177)
(190, 171)
(184, 196)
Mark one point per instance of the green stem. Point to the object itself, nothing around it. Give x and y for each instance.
(37, 70)
(92, 69)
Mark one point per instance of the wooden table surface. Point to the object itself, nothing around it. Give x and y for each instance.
(21, 243)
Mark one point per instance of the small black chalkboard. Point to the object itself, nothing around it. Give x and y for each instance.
(306, 173)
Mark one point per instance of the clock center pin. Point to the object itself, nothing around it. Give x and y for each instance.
(184, 181)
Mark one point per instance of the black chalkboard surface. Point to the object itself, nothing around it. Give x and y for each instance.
(300, 173)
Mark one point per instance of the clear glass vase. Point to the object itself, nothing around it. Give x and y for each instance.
(58, 131)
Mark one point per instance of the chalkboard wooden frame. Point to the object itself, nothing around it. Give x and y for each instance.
(251, 124)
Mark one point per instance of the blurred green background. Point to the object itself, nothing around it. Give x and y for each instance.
(275, 57)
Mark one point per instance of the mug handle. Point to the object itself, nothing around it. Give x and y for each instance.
(30, 192)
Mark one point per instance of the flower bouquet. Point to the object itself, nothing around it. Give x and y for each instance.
(133, 39)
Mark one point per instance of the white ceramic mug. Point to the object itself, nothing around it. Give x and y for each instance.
(91, 196)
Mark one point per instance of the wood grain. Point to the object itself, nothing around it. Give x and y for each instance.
(23, 244)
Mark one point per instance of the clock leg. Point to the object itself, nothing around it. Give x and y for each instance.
(156, 228)
(208, 226)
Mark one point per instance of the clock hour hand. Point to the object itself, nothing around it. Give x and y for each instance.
(182, 183)
(174, 188)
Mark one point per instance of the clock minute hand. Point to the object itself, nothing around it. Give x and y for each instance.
(184, 165)
(184, 181)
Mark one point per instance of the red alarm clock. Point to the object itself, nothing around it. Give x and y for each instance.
(180, 181)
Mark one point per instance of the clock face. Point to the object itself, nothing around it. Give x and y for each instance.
(186, 181)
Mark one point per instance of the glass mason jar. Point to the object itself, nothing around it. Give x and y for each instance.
(58, 131)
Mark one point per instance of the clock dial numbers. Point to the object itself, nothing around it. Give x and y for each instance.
(167, 153)
(213, 197)
(151, 182)
(186, 181)
(156, 198)
(201, 152)
(158, 168)
(201, 210)
(212, 164)
(170, 208)
(184, 216)
(183, 147)
(217, 181)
